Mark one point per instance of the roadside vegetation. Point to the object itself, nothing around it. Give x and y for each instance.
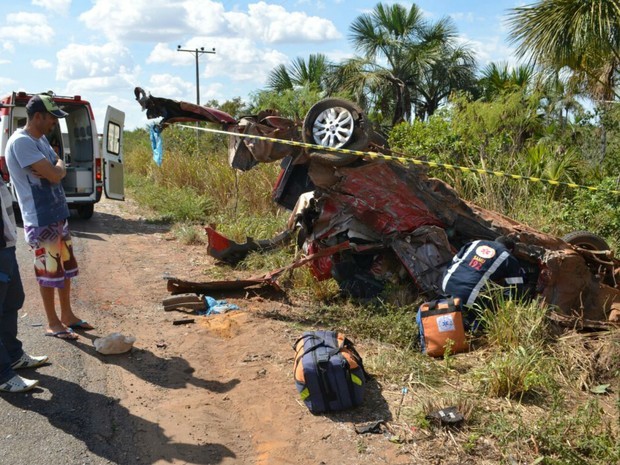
(530, 391)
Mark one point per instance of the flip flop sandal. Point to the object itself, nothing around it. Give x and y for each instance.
(83, 325)
(68, 335)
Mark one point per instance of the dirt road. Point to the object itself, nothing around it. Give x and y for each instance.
(219, 391)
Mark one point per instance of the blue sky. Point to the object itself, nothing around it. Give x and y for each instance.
(102, 49)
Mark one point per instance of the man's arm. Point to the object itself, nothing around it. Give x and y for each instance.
(53, 173)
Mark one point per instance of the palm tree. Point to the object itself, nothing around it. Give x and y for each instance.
(454, 69)
(583, 36)
(299, 74)
(497, 78)
(405, 60)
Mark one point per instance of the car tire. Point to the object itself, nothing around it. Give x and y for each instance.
(86, 211)
(590, 241)
(336, 123)
(586, 240)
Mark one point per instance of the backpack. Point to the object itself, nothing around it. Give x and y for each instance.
(328, 371)
(440, 321)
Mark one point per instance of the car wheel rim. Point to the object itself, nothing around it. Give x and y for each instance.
(333, 127)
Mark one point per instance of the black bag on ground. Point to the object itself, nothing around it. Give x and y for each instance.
(328, 371)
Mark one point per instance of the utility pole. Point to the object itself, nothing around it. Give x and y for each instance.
(197, 52)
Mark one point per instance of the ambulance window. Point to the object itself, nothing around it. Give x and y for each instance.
(113, 144)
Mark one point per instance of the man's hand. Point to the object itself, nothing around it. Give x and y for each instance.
(43, 169)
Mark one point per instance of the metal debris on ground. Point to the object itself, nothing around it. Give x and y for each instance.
(449, 416)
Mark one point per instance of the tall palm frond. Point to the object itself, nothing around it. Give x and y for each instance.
(582, 35)
(497, 78)
(279, 79)
(299, 73)
(408, 53)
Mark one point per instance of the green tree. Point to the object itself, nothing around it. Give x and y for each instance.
(290, 103)
(405, 60)
(453, 70)
(580, 36)
(235, 107)
(497, 79)
(583, 36)
(299, 73)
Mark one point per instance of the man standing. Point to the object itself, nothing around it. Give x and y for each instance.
(479, 262)
(12, 357)
(36, 172)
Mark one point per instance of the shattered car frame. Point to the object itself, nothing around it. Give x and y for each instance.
(386, 222)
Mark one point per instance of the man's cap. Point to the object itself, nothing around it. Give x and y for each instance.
(43, 103)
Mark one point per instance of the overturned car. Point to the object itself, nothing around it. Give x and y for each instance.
(371, 223)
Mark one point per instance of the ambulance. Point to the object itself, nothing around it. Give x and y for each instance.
(94, 164)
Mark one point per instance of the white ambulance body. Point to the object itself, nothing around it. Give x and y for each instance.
(93, 166)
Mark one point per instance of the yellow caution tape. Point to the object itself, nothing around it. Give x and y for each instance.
(414, 161)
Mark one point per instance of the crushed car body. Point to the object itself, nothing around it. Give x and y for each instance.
(384, 222)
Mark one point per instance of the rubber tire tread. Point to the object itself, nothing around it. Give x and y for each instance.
(86, 211)
(590, 240)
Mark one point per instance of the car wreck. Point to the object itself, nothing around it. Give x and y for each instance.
(371, 223)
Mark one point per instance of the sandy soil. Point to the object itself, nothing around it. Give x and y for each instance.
(219, 390)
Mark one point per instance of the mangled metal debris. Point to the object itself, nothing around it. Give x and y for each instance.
(397, 225)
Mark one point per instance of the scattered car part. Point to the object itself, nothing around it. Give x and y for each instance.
(449, 416)
(184, 303)
(173, 111)
(231, 252)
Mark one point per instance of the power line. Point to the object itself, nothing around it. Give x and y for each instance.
(196, 52)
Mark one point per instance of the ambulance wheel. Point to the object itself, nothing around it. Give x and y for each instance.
(86, 211)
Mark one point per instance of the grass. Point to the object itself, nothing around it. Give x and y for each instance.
(188, 234)
(530, 393)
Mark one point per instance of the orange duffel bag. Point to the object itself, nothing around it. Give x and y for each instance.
(441, 321)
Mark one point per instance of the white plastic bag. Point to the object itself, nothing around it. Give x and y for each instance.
(114, 343)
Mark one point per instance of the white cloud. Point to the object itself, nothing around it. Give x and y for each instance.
(170, 86)
(40, 64)
(171, 20)
(272, 23)
(467, 17)
(123, 83)
(492, 49)
(8, 46)
(162, 53)
(140, 20)
(7, 85)
(94, 61)
(57, 6)
(234, 59)
(26, 28)
(207, 18)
